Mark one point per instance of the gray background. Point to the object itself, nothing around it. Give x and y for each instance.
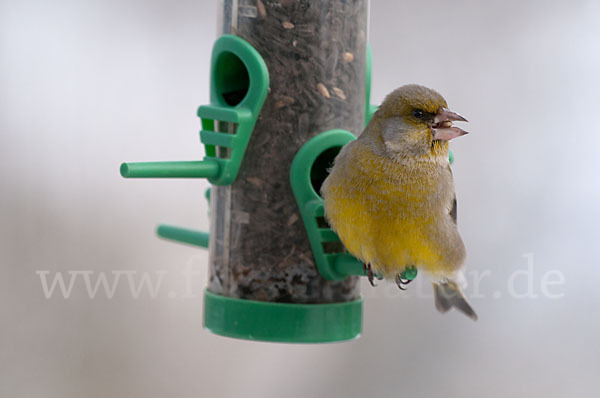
(86, 85)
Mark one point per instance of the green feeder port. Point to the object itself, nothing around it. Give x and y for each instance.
(309, 169)
(227, 123)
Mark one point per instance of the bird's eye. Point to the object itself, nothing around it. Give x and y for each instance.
(419, 114)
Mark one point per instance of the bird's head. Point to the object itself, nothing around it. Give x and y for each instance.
(415, 121)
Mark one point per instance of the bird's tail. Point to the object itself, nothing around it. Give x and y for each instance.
(448, 295)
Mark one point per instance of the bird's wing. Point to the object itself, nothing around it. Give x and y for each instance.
(453, 210)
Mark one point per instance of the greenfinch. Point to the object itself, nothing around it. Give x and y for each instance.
(390, 195)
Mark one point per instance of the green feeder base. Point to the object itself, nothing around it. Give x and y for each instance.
(282, 322)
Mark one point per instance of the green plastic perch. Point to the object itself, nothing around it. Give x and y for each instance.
(191, 169)
(183, 235)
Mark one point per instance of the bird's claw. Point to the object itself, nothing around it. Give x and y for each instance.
(402, 282)
(367, 268)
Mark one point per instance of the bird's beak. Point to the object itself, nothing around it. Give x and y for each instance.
(442, 125)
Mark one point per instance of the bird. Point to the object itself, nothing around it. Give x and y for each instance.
(390, 195)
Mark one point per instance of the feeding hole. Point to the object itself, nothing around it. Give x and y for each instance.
(321, 166)
(231, 78)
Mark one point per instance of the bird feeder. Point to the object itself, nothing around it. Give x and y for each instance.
(289, 82)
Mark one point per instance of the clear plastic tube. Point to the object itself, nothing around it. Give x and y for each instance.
(315, 52)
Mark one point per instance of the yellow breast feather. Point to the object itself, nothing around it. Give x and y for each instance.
(385, 219)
